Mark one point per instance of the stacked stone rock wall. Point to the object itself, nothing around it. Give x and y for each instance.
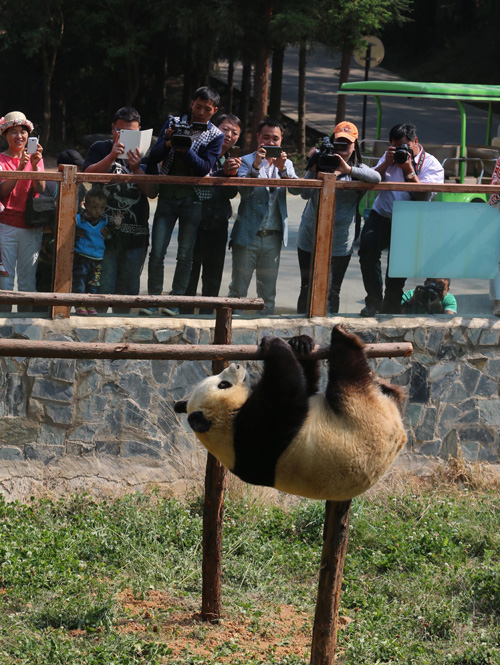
(109, 426)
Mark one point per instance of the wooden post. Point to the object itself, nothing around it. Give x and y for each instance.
(320, 275)
(213, 512)
(65, 237)
(335, 535)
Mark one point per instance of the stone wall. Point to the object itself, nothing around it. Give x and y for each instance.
(109, 426)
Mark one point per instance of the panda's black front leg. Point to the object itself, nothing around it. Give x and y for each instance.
(347, 366)
(303, 345)
(283, 377)
(273, 414)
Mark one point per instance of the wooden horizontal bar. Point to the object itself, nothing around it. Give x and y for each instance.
(418, 187)
(102, 350)
(108, 300)
(205, 181)
(292, 183)
(31, 175)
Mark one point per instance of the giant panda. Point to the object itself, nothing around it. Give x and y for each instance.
(284, 434)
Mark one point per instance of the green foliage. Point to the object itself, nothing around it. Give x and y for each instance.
(345, 22)
(421, 579)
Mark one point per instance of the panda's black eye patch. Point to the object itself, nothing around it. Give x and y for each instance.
(224, 385)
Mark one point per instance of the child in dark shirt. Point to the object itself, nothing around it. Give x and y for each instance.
(92, 228)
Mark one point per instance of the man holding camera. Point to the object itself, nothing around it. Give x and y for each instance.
(187, 146)
(404, 161)
(261, 226)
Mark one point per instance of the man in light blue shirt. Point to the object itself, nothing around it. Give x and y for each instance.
(261, 227)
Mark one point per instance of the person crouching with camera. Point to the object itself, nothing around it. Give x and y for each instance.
(431, 298)
(340, 155)
(404, 161)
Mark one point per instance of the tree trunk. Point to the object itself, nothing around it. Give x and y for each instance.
(260, 89)
(230, 84)
(345, 67)
(133, 82)
(49, 63)
(187, 80)
(261, 74)
(48, 70)
(276, 82)
(246, 81)
(301, 136)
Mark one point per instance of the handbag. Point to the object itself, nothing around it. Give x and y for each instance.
(40, 211)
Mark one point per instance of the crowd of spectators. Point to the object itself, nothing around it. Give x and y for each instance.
(112, 224)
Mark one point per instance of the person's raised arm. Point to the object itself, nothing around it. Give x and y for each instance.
(6, 186)
(134, 159)
(386, 161)
(201, 163)
(104, 163)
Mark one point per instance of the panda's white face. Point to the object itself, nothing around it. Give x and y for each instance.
(230, 387)
(212, 407)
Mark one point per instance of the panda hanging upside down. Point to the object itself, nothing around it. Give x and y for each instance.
(284, 434)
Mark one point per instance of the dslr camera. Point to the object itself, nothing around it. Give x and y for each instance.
(326, 155)
(401, 153)
(426, 299)
(184, 131)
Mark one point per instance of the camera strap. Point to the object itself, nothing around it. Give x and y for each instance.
(419, 165)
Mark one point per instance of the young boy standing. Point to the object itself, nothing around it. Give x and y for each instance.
(91, 232)
(181, 203)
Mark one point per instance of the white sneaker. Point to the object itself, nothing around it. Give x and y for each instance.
(148, 311)
(173, 311)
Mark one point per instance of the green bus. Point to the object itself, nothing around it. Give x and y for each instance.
(459, 158)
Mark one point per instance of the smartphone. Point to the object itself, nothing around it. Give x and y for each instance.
(32, 145)
(273, 150)
(235, 151)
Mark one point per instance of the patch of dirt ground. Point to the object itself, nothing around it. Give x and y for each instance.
(281, 630)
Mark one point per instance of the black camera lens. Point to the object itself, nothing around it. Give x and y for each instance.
(401, 153)
(328, 162)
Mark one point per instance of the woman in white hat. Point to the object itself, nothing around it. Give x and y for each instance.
(19, 243)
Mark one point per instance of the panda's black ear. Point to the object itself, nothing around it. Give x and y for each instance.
(181, 406)
(198, 422)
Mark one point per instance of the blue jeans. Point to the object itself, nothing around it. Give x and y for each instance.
(188, 211)
(261, 256)
(86, 274)
(121, 270)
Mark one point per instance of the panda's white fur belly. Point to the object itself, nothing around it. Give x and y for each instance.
(336, 457)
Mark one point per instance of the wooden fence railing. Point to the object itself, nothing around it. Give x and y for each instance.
(69, 179)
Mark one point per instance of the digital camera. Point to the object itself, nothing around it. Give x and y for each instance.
(401, 153)
(326, 155)
(182, 137)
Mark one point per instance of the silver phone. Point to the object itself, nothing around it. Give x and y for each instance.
(32, 145)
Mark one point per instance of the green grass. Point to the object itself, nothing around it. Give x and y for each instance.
(421, 580)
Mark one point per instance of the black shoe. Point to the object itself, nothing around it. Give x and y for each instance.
(369, 310)
(389, 307)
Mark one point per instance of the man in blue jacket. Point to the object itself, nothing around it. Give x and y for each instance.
(261, 226)
(181, 202)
